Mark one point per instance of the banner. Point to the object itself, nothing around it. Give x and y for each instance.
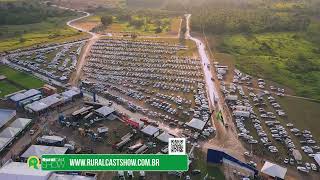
(114, 162)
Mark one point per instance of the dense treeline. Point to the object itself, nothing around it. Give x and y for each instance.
(27, 12)
(248, 21)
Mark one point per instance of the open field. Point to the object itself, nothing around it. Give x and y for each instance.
(53, 30)
(303, 113)
(7, 88)
(21, 78)
(286, 58)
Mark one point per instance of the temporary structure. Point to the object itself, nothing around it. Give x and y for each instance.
(273, 170)
(317, 158)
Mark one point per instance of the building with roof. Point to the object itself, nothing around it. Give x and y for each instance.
(22, 98)
(21, 123)
(71, 94)
(196, 124)
(274, 170)
(45, 103)
(164, 137)
(21, 171)
(105, 111)
(51, 140)
(6, 115)
(151, 131)
(39, 150)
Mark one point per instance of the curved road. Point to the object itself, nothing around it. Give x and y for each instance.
(82, 59)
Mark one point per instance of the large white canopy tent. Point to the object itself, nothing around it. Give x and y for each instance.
(274, 170)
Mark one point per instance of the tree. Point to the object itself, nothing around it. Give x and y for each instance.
(106, 20)
(158, 30)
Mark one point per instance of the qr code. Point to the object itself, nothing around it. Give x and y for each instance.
(177, 146)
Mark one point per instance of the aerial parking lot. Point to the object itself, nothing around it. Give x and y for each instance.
(148, 77)
(56, 63)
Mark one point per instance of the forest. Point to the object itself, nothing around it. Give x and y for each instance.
(28, 12)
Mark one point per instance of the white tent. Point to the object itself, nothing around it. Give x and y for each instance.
(273, 170)
(6, 115)
(20, 123)
(196, 124)
(21, 171)
(105, 111)
(164, 137)
(151, 130)
(317, 158)
(4, 142)
(55, 176)
(39, 150)
(10, 132)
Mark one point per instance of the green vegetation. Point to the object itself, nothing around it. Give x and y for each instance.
(18, 78)
(286, 58)
(7, 88)
(140, 21)
(275, 40)
(31, 29)
(28, 12)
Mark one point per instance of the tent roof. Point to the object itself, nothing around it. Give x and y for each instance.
(105, 110)
(273, 170)
(24, 95)
(70, 93)
(21, 171)
(297, 155)
(20, 123)
(39, 150)
(196, 123)
(45, 102)
(317, 158)
(55, 176)
(6, 115)
(164, 137)
(150, 130)
(10, 132)
(4, 142)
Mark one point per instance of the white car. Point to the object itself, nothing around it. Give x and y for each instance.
(302, 169)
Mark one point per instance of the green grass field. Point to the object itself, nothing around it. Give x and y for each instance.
(286, 58)
(302, 113)
(23, 80)
(52, 30)
(7, 88)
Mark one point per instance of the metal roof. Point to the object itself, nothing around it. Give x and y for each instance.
(150, 130)
(105, 110)
(273, 170)
(20, 123)
(196, 124)
(164, 137)
(21, 171)
(6, 115)
(39, 150)
(25, 95)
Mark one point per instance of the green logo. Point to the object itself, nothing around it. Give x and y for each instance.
(33, 162)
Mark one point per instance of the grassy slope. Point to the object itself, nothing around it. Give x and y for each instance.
(25, 80)
(49, 31)
(268, 55)
(7, 88)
